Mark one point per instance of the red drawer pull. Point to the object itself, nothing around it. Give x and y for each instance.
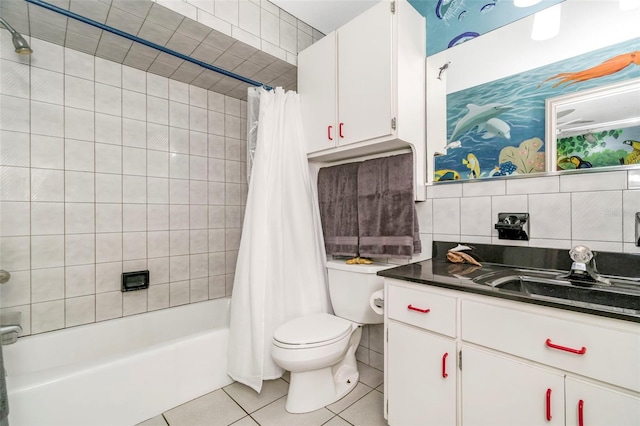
(329, 128)
(548, 405)
(564, 348)
(581, 413)
(413, 308)
(341, 135)
(444, 365)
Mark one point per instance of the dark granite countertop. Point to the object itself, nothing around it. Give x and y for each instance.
(438, 272)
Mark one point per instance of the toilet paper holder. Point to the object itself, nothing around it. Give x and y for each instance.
(379, 302)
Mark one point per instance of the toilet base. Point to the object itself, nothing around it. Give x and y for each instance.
(314, 389)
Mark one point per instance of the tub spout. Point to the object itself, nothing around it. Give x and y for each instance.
(9, 333)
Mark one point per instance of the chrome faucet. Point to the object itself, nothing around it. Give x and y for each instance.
(583, 267)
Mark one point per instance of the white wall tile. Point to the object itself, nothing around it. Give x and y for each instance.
(108, 217)
(108, 72)
(157, 137)
(178, 191)
(47, 251)
(227, 10)
(80, 310)
(14, 218)
(108, 129)
(79, 64)
(134, 245)
(157, 110)
(134, 189)
(47, 185)
(630, 206)
(179, 243)
(108, 305)
(134, 105)
(179, 291)
(108, 277)
(78, 187)
(446, 216)
(47, 152)
(198, 119)
(79, 93)
(596, 216)
(634, 179)
(157, 190)
(158, 86)
(79, 155)
(601, 181)
(536, 185)
(79, 124)
(108, 188)
(198, 192)
(79, 218)
(108, 158)
(134, 217)
(178, 115)
(134, 302)
(550, 215)
(178, 268)
(158, 217)
(178, 91)
(46, 119)
(134, 161)
(17, 291)
(179, 166)
(475, 216)
(79, 249)
(14, 150)
(599, 245)
(108, 99)
(134, 133)
(178, 217)
(158, 244)
(108, 247)
(50, 56)
(134, 79)
(47, 284)
(157, 164)
(79, 280)
(47, 316)
(47, 86)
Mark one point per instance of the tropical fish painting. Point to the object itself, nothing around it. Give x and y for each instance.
(498, 128)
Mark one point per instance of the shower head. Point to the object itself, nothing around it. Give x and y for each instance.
(21, 45)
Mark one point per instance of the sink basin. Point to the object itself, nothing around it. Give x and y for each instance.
(544, 285)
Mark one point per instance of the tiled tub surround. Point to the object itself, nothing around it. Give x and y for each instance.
(105, 169)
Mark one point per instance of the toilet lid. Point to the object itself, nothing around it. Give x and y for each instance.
(315, 328)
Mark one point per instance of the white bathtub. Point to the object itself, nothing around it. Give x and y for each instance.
(118, 372)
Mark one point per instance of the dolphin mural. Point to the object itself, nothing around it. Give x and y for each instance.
(477, 115)
(495, 127)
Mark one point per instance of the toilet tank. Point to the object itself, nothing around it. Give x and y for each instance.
(351, 286)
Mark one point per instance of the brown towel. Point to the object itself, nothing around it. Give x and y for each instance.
(338, 199)
(387, 219)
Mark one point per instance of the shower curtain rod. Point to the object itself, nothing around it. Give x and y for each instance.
(137, 39)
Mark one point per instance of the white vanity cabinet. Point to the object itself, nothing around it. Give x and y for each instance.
(520, 364)
(364, 83)
(421, 360)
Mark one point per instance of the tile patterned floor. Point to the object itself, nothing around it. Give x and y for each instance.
(239, 405)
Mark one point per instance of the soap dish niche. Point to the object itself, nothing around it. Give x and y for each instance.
(513, 226)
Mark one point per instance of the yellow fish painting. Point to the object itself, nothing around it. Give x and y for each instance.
(473, 165)
(445, 174)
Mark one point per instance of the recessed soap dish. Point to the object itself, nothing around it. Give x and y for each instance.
(513, 226)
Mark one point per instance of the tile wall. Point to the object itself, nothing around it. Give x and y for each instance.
(103, 169)
(258, 23)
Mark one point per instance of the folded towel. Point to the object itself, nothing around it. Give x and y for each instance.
(388, 224)
(338, 199)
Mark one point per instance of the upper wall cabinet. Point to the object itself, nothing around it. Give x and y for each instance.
(362, 87)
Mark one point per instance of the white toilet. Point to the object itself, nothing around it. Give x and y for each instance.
(319, 349)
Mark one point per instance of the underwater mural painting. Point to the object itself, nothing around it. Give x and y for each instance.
(498, 128)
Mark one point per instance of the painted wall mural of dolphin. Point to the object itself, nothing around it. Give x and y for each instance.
(477, 115)
(495, 127)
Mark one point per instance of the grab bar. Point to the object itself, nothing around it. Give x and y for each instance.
(9, 334)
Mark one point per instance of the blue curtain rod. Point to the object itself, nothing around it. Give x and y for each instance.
(137, 39)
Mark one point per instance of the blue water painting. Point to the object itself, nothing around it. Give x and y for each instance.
(507, 117)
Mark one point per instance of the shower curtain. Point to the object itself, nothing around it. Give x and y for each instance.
(280, 271)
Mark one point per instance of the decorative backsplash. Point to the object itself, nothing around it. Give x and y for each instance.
(498, 128)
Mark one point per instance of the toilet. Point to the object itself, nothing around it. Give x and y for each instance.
(319, 349)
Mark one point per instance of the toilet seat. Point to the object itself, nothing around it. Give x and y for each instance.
(311, 331)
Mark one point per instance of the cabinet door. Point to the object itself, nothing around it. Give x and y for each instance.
(500, 391)
(418, 392)
(592, 405)
(317, 89)
(364, 76)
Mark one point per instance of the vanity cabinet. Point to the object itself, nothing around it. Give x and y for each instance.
(518, 364)
(364, 83)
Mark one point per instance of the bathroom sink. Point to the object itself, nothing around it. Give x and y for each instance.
(621, 294)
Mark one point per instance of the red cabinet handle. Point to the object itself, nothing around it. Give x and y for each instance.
(548, 405)
(581, 413)
(564, 348)
(329, 128)
(341, 135)
(413, 308)
(444, 365)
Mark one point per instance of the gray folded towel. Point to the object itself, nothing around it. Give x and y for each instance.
(338, 200)
(387, 224)
(4, 399)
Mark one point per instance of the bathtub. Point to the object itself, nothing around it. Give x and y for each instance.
(121, 371)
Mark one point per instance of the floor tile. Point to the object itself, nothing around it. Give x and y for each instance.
(275, 414)
(380, 388)
(358, 392)
(287, 376)
(370, 376)
(245, 421)
(337, 421)
(368, 411)
(154, 421)
(213, 409)
(250, 400)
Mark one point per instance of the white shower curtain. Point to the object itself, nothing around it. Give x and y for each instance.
(280, 272)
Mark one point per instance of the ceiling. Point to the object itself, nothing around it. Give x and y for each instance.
(325, 15)
(157, 24)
